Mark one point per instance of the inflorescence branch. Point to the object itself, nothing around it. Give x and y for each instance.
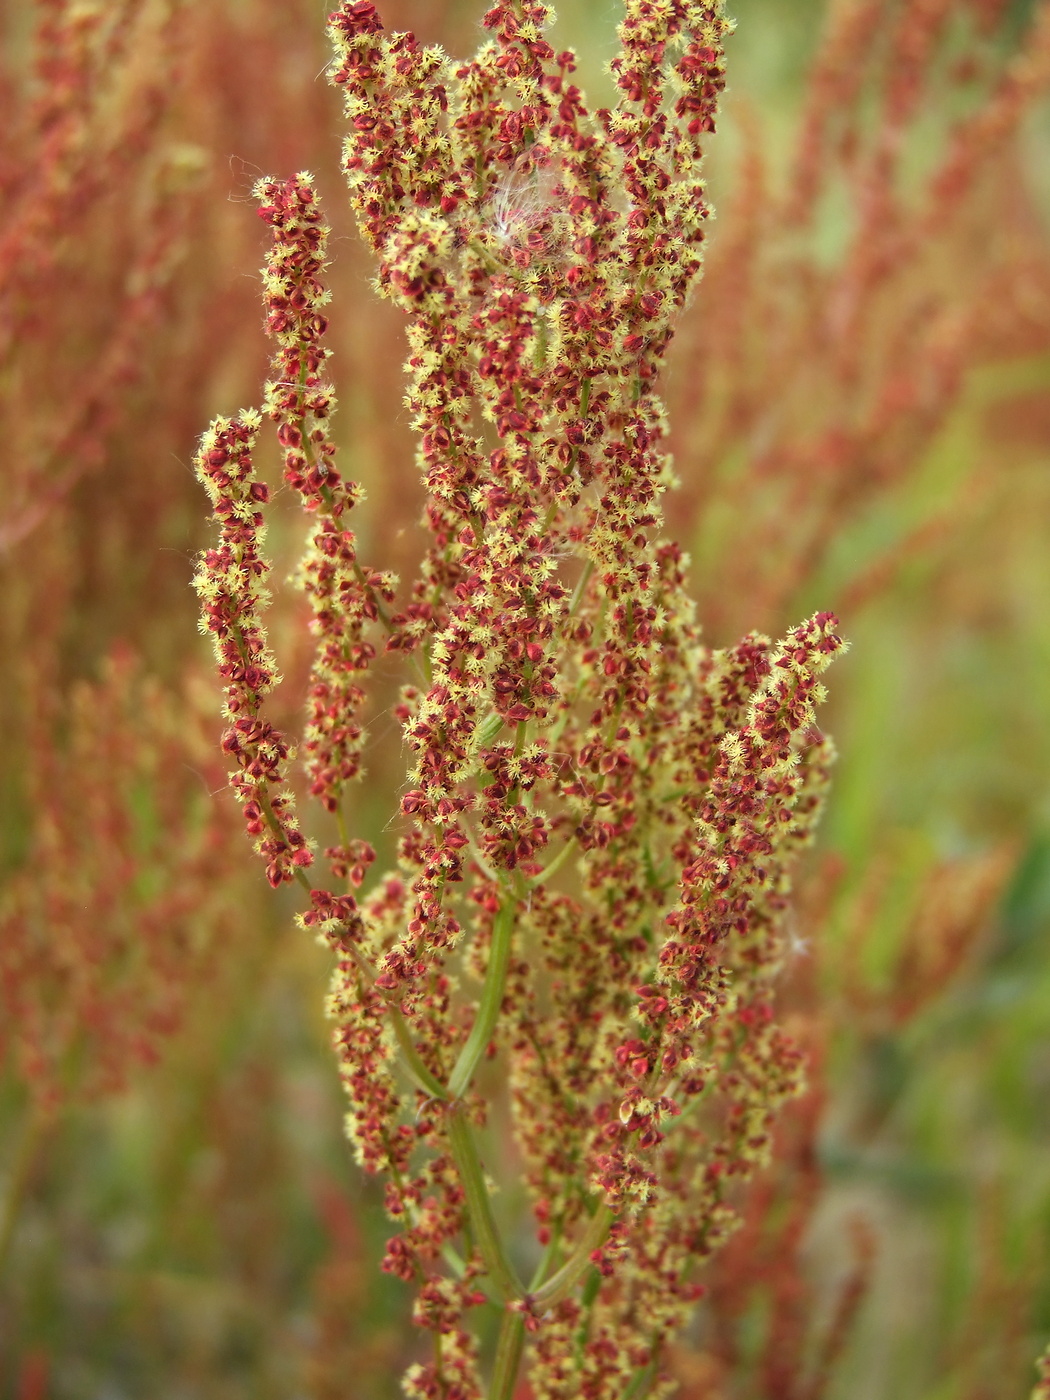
(602, 813)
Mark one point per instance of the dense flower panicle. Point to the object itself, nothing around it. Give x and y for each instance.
(549, 327)
(229, 582)
(344, 599)
(601, 808)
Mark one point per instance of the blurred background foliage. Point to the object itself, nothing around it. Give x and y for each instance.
(861, 420)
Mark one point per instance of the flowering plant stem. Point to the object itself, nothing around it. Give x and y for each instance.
(558, 698)
(560, 1285)
(491, 999)
(412, 1064)
(509, 1348)
(479, 1206)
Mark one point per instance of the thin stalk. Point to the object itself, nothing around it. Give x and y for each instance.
(581, 585)
(641, 1382)
(275, 826)
(491, 1001)
(454, 1259)
(449, 1253)
(591, 1289)
(340, 821)
(479, 1207)
(478, 858)
(488, 730)
(508, 1356)
(560, 1285)
(545, 1262)
(554, 865)
(413, 1064)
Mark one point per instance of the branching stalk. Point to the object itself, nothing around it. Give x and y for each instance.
(491, 1001)
(508, 1356)
(560, 1285)
(413, 1064)
(479, 1206)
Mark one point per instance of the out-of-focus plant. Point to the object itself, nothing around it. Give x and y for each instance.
(112, 905)
(121, 897)
(562, 711)
(862, 274)
(118, 879)
(92, 116)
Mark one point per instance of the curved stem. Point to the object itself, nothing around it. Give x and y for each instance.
(491, 1001)
(554, 865)
(560, 1285)
(641, 1382)
(479, 1206)
(477, 857)
(545, 1262)
(581, 587)
(508, 1356)
(413, 1064)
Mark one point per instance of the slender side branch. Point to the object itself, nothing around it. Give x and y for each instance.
(413, 1064)
(508, 1356)
(560, 1285)
(491, 1001)
(479, 1206)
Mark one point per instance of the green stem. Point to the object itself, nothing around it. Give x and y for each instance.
(581, 585)
(491, 1001)
(560, 1285)
(554, 865)
(479, 1206)
(545, 1262)
(591, 1289)
(278, 831)
(643, 1379)
(413, 1064)
(489, 729)
(508, 1356)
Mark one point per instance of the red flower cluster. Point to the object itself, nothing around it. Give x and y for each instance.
(343, 598)
(229, 582)
(603, 810)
